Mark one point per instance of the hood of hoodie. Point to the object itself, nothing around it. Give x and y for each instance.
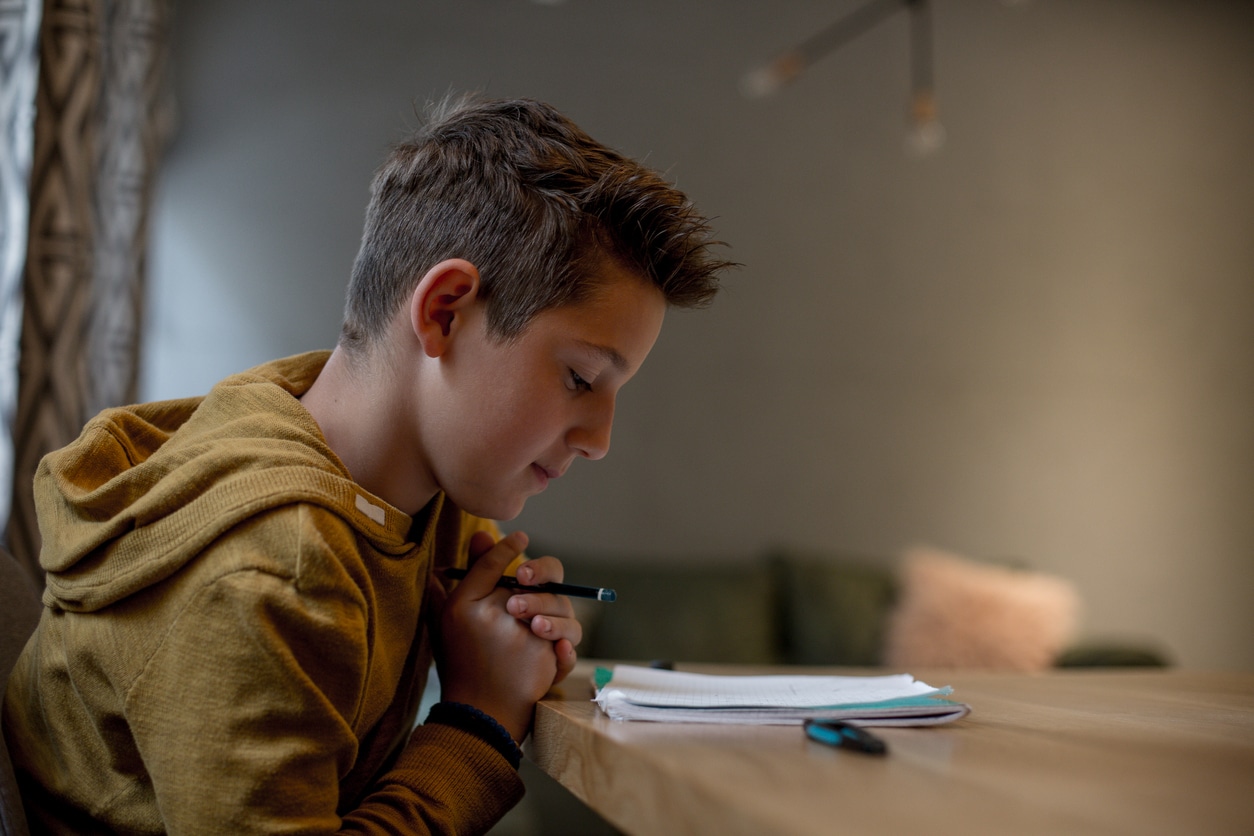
(145, 488)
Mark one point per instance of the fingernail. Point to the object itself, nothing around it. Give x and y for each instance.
(544, 624)
(526, 574)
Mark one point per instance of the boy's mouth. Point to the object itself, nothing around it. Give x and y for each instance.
(544, 474)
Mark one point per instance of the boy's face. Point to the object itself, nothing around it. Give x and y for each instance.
(513, 416)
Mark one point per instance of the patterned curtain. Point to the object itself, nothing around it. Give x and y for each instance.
(101, 115)
(19, 38)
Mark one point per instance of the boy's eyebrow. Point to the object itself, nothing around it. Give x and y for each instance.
(615, 359)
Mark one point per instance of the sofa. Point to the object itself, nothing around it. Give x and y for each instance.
(796, 607)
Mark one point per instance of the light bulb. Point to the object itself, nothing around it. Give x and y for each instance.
(767, 79)
(926, 134)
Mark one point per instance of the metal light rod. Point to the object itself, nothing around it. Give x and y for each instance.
(790, 63)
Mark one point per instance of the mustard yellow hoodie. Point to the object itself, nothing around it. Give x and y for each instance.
(232, 637)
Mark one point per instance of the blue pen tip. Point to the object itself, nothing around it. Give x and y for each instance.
(607, 595)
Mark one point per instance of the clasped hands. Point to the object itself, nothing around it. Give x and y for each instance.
(501, 650)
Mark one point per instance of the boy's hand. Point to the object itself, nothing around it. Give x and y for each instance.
(501, 651)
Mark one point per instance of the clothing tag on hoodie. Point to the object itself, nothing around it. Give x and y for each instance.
(374, 512)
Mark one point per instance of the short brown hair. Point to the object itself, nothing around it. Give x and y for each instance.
(521, 192)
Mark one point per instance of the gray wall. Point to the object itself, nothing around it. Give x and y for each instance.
(1037, 344)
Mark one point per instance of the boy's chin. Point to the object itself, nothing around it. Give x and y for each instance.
(500, 509)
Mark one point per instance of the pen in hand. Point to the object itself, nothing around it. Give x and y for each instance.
(596, 593)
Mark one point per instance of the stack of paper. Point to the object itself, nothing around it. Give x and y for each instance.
(626, 692)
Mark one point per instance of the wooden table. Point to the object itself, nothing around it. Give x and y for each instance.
(1067, 752)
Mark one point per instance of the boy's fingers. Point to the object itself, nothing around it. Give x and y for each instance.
(566, 659)
(541, 570)
(480, 580)
(557, 629)
(480, 543)
(531, 604)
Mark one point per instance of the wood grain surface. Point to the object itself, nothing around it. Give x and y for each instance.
(1075, 752)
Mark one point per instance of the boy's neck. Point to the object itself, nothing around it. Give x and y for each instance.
(356, 408)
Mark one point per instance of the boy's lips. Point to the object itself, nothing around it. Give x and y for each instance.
(545, 473)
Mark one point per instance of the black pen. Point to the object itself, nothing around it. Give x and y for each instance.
(596, 593)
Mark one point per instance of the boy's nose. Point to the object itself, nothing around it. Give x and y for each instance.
(591, 439)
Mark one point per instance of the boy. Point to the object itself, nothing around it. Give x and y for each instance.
(244, 591)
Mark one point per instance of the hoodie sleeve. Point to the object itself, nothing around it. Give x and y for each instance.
(251, 712)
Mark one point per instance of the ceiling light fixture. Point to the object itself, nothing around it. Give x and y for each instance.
(926, 134)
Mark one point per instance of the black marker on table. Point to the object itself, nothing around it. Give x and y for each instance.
(596, 593)
(845, 735)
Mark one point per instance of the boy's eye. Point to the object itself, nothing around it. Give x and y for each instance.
(578, 382)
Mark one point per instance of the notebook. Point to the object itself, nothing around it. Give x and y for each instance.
(628, 692)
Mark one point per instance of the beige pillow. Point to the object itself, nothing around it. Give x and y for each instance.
(957, 613)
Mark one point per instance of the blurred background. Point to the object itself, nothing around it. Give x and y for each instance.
(1035, 343)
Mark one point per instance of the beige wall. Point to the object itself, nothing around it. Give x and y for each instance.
(1038, 343)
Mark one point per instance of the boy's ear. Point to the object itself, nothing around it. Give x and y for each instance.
(439, 303)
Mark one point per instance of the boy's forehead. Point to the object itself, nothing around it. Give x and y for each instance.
(617, 323)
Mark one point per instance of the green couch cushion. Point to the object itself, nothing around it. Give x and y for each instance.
(689, 610)
(833, 609)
